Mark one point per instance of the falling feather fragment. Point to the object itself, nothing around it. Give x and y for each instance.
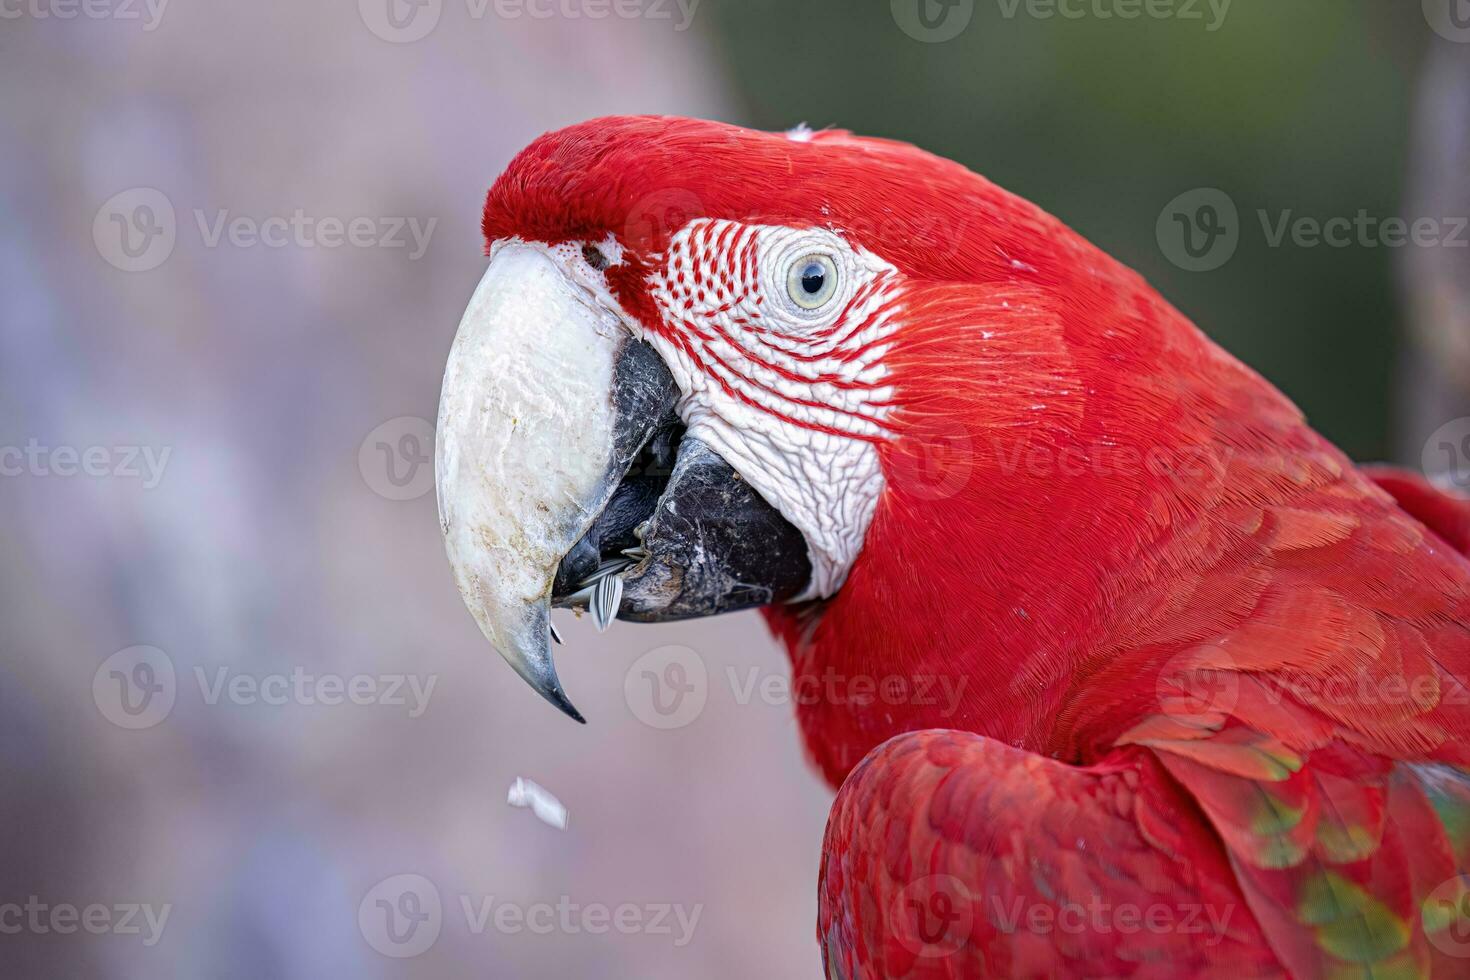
(528, 794)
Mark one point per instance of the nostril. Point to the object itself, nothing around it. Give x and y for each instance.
(594, 257)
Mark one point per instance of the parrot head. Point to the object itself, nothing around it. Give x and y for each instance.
(709, 369)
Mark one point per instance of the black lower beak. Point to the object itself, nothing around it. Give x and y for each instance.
(683, 536)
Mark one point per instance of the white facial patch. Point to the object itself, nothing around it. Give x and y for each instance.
(781, 370)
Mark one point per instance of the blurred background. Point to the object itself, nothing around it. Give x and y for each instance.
(239, 695)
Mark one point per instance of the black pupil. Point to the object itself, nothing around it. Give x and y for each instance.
(813, 277)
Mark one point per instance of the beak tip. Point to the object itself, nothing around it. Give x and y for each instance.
(537, 668)
(558, 697)
(543, 680)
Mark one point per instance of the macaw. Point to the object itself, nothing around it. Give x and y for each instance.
(1210, 707)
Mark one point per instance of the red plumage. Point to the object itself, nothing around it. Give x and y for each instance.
(1179, 651)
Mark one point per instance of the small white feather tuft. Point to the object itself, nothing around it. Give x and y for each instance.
(548, 809)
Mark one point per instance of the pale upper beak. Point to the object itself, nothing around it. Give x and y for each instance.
(548, 403)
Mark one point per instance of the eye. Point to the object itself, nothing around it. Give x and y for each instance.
(594, 257)
(811, 281)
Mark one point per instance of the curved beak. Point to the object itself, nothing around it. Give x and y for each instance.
(562, 475)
